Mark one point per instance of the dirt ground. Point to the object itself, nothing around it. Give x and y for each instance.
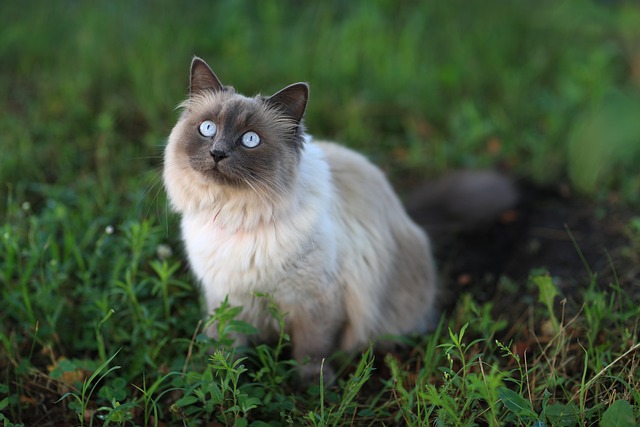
(567, 235)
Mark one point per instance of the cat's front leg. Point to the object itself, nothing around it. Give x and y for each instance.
(315, 327)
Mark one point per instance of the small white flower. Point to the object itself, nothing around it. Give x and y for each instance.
(164, 251)
(109, 229)
(26, 206)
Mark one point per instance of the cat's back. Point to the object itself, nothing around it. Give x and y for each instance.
(358, 182)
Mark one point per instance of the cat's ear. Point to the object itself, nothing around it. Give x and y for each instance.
(292, 100)
(202, 78)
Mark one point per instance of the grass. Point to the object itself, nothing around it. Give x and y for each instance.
(101, 320)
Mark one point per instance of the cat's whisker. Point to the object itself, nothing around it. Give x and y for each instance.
(275, 192)
(156, 157)
(155, 184)
(155, 180)
(261, 195)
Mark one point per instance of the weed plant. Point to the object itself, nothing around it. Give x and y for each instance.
(101, 319)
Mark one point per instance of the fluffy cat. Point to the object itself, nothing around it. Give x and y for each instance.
(313, 224)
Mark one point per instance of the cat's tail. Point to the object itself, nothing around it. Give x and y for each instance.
(462, 200)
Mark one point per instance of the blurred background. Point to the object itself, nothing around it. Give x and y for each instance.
(547, 90)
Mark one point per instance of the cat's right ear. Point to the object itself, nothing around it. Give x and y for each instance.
(203, 78)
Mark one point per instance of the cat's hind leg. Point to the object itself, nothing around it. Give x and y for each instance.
(315, 329)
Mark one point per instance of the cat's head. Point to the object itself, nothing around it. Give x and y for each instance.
(226, 142)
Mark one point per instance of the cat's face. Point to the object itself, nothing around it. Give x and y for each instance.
(232, 140)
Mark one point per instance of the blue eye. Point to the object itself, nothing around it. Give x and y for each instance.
(207, 128)
(250, 139)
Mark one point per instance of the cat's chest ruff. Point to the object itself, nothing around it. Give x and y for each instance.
(243, 260)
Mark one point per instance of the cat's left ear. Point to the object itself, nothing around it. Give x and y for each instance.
(292, 100)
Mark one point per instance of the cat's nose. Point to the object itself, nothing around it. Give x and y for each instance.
(218, 155)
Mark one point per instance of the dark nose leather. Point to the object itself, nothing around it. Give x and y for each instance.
(218, 155)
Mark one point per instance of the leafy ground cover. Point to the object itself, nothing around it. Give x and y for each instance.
(101, 319)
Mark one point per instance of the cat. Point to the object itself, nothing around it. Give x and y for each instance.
(266, 209)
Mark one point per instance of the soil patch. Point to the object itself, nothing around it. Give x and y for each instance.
(572, 238)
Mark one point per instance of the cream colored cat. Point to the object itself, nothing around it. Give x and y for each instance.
(267, 209)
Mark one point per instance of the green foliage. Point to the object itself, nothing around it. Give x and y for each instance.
(81, 400)
(601, 153)
(547, 293)
(92, 273)
(620, 414)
